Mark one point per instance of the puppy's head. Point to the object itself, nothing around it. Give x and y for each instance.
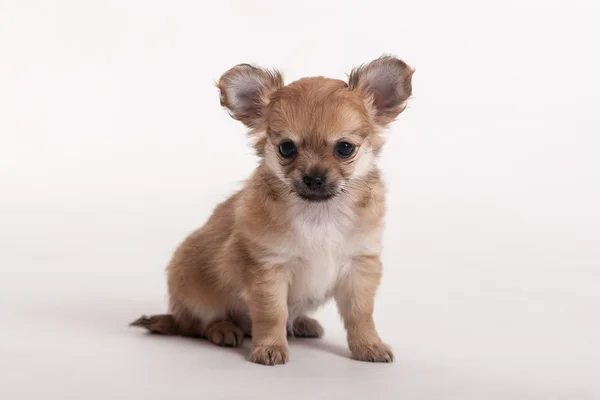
(318, 135)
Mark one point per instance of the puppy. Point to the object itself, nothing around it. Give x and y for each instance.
(307, 225)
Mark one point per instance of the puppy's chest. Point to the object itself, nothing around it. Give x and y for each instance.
(319, 251)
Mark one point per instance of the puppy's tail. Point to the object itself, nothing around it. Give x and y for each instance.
(164, 324)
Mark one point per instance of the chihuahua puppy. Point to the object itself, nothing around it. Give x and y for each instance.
(307, 225)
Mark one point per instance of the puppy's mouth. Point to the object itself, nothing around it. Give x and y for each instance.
(316, 197)
(322, 193)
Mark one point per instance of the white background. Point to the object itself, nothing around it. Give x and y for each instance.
(114, 146)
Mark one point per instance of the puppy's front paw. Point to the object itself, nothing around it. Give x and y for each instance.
(372, 352)
(269, 355)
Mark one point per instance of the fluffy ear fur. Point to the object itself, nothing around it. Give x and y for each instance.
(386, 82)
(245, 91)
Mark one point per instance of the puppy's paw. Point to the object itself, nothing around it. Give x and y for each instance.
(269, 355)
(224, 333)
(372, 352)
(306, 327)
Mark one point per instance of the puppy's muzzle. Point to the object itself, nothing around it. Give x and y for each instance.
(315, 187)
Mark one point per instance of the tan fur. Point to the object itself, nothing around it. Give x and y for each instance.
(267, 257)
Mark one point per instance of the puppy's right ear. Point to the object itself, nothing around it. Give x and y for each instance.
(245, 91)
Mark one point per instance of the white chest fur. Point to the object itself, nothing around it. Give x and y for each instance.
(317, 253)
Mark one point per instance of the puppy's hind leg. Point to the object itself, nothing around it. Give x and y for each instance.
(205, 323)
(304, 326)
(224, 333)
(218, 327)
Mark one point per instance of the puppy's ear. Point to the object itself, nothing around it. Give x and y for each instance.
(245, 91)
(386, 83)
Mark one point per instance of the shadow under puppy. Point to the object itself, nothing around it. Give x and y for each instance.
(307, 225)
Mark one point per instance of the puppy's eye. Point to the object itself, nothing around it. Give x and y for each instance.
(287, 149)
(344, 149)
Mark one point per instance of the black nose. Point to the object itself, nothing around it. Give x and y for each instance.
(314, 182)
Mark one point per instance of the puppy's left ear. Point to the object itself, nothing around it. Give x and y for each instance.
(245, 91)
(386, 83)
